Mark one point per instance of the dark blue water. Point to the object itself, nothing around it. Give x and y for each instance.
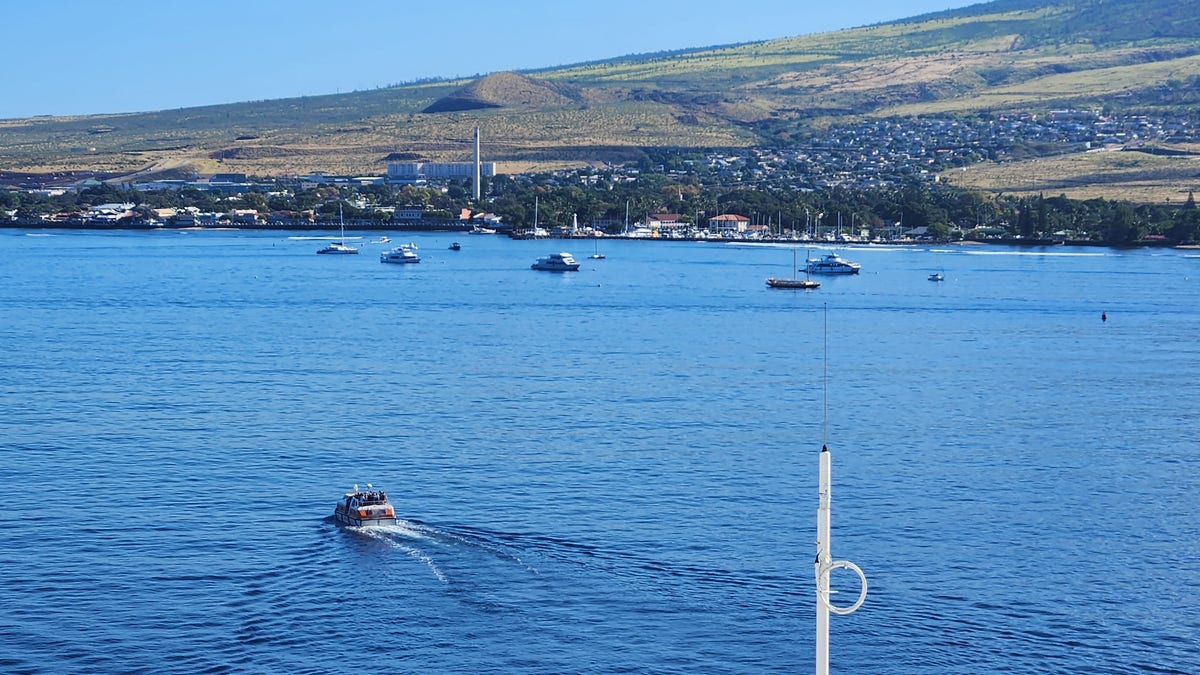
(607, 471)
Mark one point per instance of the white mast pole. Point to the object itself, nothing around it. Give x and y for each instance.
(821, 564)
(825, 563)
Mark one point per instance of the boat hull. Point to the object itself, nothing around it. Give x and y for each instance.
(792, 283)
(816, 269)
(351, 521)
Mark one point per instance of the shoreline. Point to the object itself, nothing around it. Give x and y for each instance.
(466, 229)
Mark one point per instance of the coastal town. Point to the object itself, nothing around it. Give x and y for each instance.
(813, 189)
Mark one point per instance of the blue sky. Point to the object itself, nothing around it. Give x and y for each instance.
(75, 57)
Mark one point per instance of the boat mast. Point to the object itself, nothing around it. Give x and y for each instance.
(824, 564)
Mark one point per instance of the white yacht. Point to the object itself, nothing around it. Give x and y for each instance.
(339, 247)
(404, 253)
(832, 264)
(556, 262)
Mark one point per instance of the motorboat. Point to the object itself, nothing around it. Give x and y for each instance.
(794, 282)
(937, 276)
(556, 262)
(364, 507)
(404, 253)
(832, 264)
(456, 246)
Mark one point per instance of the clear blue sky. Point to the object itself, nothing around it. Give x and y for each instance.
(73, 57)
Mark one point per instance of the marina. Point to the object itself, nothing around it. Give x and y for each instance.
(616, 470)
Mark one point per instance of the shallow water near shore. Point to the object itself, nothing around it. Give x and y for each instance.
(613, 470)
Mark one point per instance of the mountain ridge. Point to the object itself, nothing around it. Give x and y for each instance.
(989, 58)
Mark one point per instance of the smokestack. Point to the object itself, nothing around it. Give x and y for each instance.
(475, 187)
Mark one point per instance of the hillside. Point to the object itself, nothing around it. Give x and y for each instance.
(1008, 55)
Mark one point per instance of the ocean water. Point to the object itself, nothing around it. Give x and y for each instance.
(608, 471)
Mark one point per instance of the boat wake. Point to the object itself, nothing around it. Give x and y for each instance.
(423, 542)
(449, 551)
(395, 535)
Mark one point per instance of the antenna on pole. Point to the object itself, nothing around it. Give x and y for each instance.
(824, 564)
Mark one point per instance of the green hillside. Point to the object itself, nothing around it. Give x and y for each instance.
(1008, 55)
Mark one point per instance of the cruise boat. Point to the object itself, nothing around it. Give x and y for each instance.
(556, 262)
(364, 507)
(404, 253)
(832, 264)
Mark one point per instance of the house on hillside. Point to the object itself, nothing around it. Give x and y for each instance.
(728, 223)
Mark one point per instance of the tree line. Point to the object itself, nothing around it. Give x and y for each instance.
(945, 213)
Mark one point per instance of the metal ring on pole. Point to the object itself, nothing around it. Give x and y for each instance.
(862, 594)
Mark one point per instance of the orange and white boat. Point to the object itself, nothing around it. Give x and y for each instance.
(365, 507)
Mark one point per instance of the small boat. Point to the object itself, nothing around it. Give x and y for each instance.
(339, 247)
(831, 264)
(937, 276)
(456, 246)
(795, 281)
(383, 240)
(404, 253)
(364, 507)
(556, 262)
(597, 255)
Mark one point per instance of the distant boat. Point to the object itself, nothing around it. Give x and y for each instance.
(339, 247)
(456, 246)
(383, 240)
(831, 264)
(794, 282)
(556, 262)
(597, 255)
(937, 276)
(364, 507)
(404, 253)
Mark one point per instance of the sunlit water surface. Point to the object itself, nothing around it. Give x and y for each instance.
(607, 471)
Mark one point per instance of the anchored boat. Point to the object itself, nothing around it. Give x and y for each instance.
(365, 507)
(556, 262)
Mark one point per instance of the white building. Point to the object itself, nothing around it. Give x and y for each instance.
(411, 172)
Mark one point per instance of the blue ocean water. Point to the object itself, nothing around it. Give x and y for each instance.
(608, 471)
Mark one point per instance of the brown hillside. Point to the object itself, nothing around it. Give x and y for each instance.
(505, 90)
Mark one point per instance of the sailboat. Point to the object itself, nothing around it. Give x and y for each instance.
(795, 281)
(597, 255)
(339, 247)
